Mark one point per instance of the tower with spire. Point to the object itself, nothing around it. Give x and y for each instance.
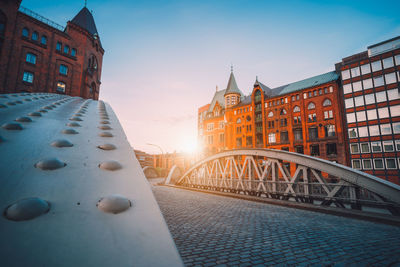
(232, 94)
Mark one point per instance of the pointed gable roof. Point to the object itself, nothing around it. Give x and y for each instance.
(232, 87)
(85, 20)
(218, 98)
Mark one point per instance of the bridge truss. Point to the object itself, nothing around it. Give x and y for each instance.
(290, 176)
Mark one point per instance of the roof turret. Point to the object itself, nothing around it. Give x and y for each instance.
(85, 20)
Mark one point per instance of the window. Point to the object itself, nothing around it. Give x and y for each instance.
(371, 114)
(354, 148)
(353, 132)
(63, 69)
(397, 57)
(325, 90)
(396, 127)
(363, 131)
(378, 164)
(361, 116)
(349, 103)
(35, 36)
(313, 133)
(369, 99)
(283, 122)
(271, 138)
(311, 105)
(328, 114)
(210, 139)
(393, 94)
(378, 81)
(367, 83)
(249, 141)
(386, 129)
(25, 32)
(248, 118)
(271, 124)
(73, 52)
(293, 98)
(388, 146)
(58, 46)
(397, 142)
(28, 77)
(390, 78)
(298, 96)
(270, 114)
(376, 65)
(320, 91)
(66, 49)
(298, 135)
(395, 111)
(376, 147)
(388, 62)
(364, 147)
(355, 72)
(314, 150)
(356, 164)
(305, 95)
(383, 113)
(238, 130)
(315, 93)
(365, 69)
(296, 109)
(373, 130)
(297, 120)
(221, 125)
(326, 103)
(284, 136)
(345, 74)
(329, 130)
(310, 94)
(347, 88)
(357, 86)
(331, 149)
(359, 101)
(283, 112)
(299, 149)
(312, 117)
(367, 164)
(31, 58)
(210, 127)
(239, 142)
(60, 87)
(351, 117)
(238, 120)
(390, 163)
(43, 40)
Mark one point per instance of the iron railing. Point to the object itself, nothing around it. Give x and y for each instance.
(39, 17)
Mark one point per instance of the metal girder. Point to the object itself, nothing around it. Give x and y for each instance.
(71, 190)
(274, 179)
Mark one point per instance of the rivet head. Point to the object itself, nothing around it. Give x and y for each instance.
(10, 103)
(111, 165)
(114, 204)
(26, 209)
(35, 98)
(3, 106)
(12, 126)
(104, 117)
(104, 122)
(48, 107)
(28, 99)
(105, 127)
(69, 131)
(73, 124)
(3, 96)
(23, 119)
(107, 147)
(75, 119)
(77, 115)
(62, 143)
(35, 114)
(50, 164)
(106, 134)
(43, 111)
(19, 102)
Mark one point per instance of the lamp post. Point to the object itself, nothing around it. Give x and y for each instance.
(162, 152)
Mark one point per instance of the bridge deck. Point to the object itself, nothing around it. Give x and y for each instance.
(210, 230)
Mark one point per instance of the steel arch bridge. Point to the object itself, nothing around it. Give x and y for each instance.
(266, 173)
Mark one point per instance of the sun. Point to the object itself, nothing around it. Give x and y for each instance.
(189, 146)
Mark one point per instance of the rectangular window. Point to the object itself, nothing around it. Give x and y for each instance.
(210, 127)
(60, 87)
(299, 149)
(345, 74)
(353, 133)
(397, 58)
(271, 138)
(396, 127)
(383, 113)
(354, 148)
(351, 117)
(328, 114)
(58, 46)
(357, 86)
(369, 99)
(312, 117)
(376, 65)
(329, 130)
(381, 96)
(43, 40)
(367, 164)
(363, 131)
(63, 69)
(356, 164)
(376, 147)
(331, 149)
(367, 83)
(28, 77)
(239, 142)
(347, 88)
(390, 78)
(361, 116)
(355, 72)
(314, 150)
(378, 81)
(388, 62)
(249, 141)
(378, 164)
(393, 94)
(386, 129)
(374, 130)
(391, 163)
(31, 58)
(365, 69)
(284, 136)
(66, 49)
(313, 133)
(364, 147)
(359, 101)
(371, 114)
(388, 146)
(298, 135)
(397, 144)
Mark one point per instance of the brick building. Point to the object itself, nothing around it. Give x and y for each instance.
(38, 55)
(371, 97)
(304, 117)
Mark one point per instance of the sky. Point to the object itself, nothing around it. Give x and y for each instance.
(164, 59)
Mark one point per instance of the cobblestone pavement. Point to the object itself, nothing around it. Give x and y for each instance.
(214, 230)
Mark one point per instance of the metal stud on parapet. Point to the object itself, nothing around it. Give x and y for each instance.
(50, 164)
(26, 209)
(114, 204)
(73, 124)
(111, 165)
(35, 114)
(12, 126)
(62, 143)
(106, 134)
(23, 119)
(107, 147)
(69, 131)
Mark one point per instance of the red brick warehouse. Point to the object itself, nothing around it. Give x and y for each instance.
(38, 55)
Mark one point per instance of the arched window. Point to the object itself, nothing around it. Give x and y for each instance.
(283, 112)
(239, 121)
(258, 93)
(296, 109)
(311, 105)
(270, 114)
(60, 87)
(35, 36)
(248, 118)
(327, 102)
(44, 39)
(92, 62)
(25, 32)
